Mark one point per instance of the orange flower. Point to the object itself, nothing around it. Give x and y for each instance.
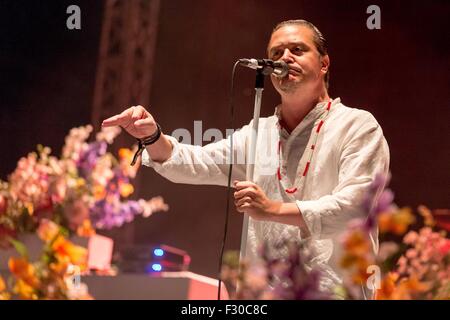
(29, 206)
(23, 270)
(65, 249)
(4, 295)
(428, 219)
(2, 284)
(47, 230)
(357, 256)
(361, 275)
(412, 284)
(99, 192)
(86, 229)
(395, 222)
(24, 290)
(387, 287)
(126, 189)
(125, 154)
(357, 243)
(405, 289)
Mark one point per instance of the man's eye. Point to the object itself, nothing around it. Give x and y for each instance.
(276, 54)
(297, 50)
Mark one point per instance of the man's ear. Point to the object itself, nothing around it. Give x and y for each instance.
(325, 64)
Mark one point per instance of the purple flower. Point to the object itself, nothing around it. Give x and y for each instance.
(375, 202)
(105, 215)
(88, 159)
(290, 278)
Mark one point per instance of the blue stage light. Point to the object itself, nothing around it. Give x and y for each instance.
(158, 252)
(156, 267)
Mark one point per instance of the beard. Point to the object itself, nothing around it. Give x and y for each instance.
(287, 84)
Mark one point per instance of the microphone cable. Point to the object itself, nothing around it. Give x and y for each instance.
(230, 170)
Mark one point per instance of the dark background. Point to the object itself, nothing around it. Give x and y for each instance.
(399, 73)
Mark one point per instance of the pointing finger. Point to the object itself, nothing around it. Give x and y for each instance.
(121, 119)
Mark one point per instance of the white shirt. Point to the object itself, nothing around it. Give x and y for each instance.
(349, 152)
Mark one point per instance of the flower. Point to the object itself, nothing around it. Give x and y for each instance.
(47, 230)
(396, 222)
(86, 183)
(86, 229)
(67, 252)
(4, 294)
(3, 204)
(289, 278)
(25, 290)
(417, 268)
(414, 267)
(2, 284)
(377, 199)
(47, 278)
(24, 271)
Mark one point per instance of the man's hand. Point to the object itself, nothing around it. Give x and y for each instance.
(140, 124)
(135, 120)
(250, 198)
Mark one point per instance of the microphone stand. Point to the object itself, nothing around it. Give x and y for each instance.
(259, 87)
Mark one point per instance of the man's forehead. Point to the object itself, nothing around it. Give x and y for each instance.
(291, 34)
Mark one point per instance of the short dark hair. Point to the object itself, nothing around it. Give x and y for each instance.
(319, 40)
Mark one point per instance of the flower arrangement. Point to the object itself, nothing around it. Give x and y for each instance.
(413, 264)
(86, 189)
(274, 278)
(413, 259)
(50, 276)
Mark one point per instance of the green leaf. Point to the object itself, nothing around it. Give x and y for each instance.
(20, 247)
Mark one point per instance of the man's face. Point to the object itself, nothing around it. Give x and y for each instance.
(294, 45)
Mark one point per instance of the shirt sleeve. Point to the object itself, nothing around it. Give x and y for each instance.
(364, 154)
(192, 164)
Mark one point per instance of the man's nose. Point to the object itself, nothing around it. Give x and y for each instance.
(287, 56)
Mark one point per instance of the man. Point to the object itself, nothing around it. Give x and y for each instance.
(310, 176)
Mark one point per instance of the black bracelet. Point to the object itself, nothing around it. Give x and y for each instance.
(142, 143)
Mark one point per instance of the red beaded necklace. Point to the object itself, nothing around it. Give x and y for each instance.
(311, 149)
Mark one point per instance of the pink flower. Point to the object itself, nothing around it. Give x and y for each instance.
(402, 264)
(58, 190)
(444, 248)
(411, 253)
(3, 204)
(47, 230)
(411, 237)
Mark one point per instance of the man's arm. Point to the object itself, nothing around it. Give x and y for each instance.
(178, 162)
(161, 150)
(251, 199)
(139, 123)
(363, 156)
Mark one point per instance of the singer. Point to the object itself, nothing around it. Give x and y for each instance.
(310, 175)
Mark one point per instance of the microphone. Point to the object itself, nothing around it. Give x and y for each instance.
(279, 68)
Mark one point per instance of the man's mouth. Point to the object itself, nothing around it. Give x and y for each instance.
(294, 71)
